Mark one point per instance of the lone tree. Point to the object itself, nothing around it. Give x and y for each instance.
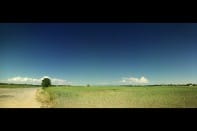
(46, 82)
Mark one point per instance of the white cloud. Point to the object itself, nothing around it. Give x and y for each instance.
(133, 80)
(23, 80)
(35, 81)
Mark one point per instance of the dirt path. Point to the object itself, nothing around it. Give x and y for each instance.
(18, 98)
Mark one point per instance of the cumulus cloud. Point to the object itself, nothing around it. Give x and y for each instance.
(35, 81)
(133, 80)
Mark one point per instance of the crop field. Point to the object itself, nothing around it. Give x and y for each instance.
(122, 97)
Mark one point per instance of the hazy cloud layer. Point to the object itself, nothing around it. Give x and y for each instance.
(133, 80)
(28, 80)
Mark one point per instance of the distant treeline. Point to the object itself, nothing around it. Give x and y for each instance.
(189, 84)
(62, 85)
(29, 84)
(18, 84)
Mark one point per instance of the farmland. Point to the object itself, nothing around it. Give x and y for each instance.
(26, 96)
(122, 97)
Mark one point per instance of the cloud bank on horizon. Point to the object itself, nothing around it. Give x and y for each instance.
(57, 81)
(35, 81)
(133, 80)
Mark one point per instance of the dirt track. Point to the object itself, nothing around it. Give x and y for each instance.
(18, 98)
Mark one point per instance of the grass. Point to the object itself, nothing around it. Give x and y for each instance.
(123, 97)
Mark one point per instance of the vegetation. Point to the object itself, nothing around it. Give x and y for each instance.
(46, 82)
(123, 97)
(17, 85)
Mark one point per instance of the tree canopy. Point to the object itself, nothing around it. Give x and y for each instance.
(46, 82)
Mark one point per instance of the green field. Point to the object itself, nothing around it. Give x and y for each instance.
(122, 97)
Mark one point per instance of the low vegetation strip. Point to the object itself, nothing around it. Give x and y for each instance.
(44, 98)
(18, 86)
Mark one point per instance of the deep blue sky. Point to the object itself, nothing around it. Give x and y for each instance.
(99, 53)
